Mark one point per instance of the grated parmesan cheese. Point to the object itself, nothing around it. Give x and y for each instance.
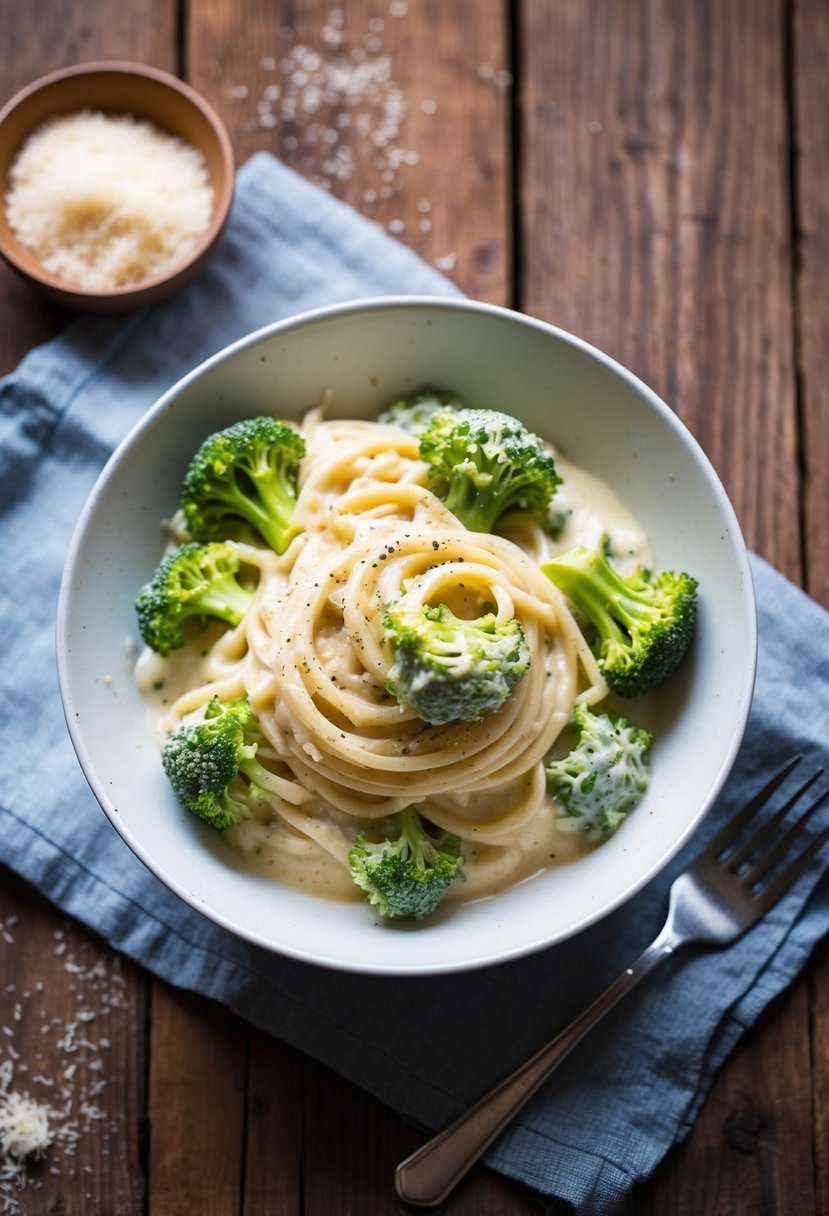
(24, 1123)
(106, 201)
(43, 1119)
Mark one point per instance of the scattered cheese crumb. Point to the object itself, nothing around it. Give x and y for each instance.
(49, 1117)
(105, 201)
(331, 93)
(24, 1123)
(24, 1132)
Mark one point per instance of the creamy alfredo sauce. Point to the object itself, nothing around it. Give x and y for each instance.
(273, 848)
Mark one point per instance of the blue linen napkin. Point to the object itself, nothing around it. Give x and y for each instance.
(427, 1047)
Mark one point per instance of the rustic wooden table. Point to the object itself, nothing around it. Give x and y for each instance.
(650, 174)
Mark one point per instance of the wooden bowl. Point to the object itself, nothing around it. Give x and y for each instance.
(117, 88)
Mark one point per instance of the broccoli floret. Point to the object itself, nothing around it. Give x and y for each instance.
(414, 414)
(193, 580)
(203, 759)
(606, 773)
(242, 484)
(448, 668)
(643, 624)
(483, 463)
(406, 875)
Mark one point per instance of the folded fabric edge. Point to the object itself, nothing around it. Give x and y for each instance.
(52, 373)
(595, 1187)
(771, 979)
(249, 990)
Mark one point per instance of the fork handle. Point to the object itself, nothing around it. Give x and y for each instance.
(428, 1176)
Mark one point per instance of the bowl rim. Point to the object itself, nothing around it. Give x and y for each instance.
(67, 292)
(478, 958)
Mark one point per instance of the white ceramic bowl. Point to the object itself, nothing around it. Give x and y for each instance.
(369, 353)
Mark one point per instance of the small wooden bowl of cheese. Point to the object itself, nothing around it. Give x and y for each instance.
(117, 180)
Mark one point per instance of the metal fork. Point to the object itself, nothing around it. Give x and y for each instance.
(725, 891)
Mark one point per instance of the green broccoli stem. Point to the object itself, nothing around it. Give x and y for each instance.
(421, 844)
(480, 504)
(266, 512)
(600, 593)
(257, 774)
(226, 599)
(477, 508)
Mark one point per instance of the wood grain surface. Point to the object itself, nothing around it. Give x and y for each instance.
(652, 175)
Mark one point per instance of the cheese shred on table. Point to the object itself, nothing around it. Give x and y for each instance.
(106, 201)
(24, 1131)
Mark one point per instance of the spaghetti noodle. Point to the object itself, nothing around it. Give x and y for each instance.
(312, 658)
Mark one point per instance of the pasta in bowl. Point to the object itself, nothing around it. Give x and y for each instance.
(403, 667)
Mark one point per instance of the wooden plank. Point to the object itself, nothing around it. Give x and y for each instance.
(275, 1125)
(72, 1027)
(43, 35)
(352, 1146)
(656, 223)
(196, 1106)
(379, 109)
(810, 48)
(750, 1150)
(356, 1144)
(818, 980)
(486, 1193)
(40, 36)
(810, 99)
(55, 969)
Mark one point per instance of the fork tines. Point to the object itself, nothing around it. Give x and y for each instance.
(752, 858)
